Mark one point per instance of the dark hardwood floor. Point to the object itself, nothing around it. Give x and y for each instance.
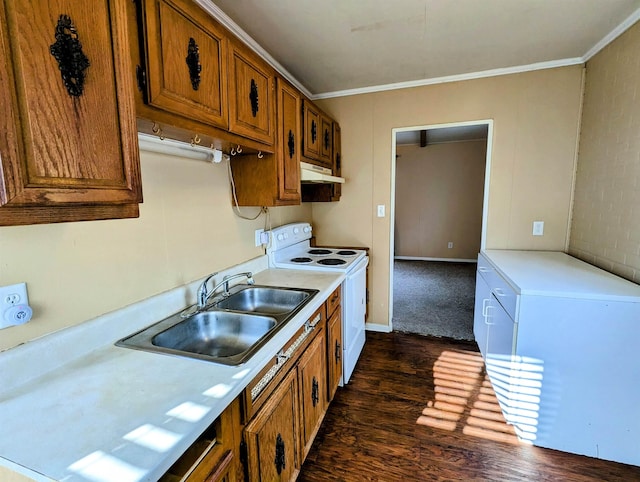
(420, 408)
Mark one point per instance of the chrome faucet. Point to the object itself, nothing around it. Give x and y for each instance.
(203, 294)
(226, 279)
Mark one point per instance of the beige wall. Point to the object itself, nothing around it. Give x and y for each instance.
(77, 271)
(439, 191)
(605, 229)
(535, 118)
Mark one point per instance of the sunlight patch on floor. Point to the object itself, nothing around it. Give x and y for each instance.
(465, 399)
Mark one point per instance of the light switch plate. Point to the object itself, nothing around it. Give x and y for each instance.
(381, 210)
(538, 228)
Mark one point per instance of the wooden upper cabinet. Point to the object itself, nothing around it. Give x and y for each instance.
(288, 118)
(68, 138)
(337, 160)
(185, 61)
(326, 140)
(251, 95)
(312, 127)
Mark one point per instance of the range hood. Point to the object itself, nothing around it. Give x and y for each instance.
(310, 173)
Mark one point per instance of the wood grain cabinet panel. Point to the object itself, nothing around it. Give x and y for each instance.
(288, 119)
(186, 61)
(272, 436)
(334, 352)
(313, 390)
(312, 128)
(326, 140)
(251, 93)
(68, 139)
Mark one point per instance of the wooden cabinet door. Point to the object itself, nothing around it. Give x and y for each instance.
(251, 91)
(326, 141)
(288, 162)
(334, 352)
(313, 390)
(272, 436)
(186, 61)
(312, 128)
(68, 138)
(337, 160)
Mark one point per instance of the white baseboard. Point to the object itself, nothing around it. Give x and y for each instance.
(377, 327)
(419, 258)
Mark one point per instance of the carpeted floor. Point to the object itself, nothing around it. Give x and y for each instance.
(434, 298)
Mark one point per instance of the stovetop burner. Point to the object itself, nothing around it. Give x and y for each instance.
(332, 261)
(346, 252)
(319, 252)
(301, 260)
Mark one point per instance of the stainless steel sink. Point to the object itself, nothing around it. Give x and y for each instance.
(215, 333)
(229, 331)
(262, 299)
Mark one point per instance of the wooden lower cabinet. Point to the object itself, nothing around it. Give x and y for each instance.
(312, 381)
(334, 352)
(272, 436)
(214, 456)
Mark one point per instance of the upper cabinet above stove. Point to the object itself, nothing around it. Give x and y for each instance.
(68, 141)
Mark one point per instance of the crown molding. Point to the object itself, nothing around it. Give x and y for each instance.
(614, 34)
(452, 78)
(235, 29)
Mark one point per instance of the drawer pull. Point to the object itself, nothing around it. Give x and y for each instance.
(483, 269)
(499, 292)
(282, 357)
(338, 350)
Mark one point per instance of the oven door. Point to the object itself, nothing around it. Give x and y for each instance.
(354, 292)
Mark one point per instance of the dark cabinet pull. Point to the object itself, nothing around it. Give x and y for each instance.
(280, 459)
(253, 98)
(338, 349)
(315, 396)
(337, 161)
(193, 63)
(291, 144)
(326, 139)
(314, 131)
(67, 50)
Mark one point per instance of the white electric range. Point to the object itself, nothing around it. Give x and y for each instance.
(289, 248)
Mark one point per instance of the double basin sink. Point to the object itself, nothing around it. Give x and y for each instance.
(229, 330)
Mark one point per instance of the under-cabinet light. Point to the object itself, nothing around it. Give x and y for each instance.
(151, 143)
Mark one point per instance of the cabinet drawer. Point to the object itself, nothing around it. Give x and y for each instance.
(503, 291)
(333, 301)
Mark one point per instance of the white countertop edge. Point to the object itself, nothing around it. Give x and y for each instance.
(109, 328)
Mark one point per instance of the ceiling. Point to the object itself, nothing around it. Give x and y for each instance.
(339, 47)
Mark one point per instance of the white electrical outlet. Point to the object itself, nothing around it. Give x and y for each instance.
(538, 228)
(13, 295)
(258, 237)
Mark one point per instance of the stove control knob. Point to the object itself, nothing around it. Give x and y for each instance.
(296, 230)
(307, 229)
(280, 237)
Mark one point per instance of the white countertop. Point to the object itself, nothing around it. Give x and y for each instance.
(102, 412)
(553, 273)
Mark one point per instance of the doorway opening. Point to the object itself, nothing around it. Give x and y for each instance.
(440, 192)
